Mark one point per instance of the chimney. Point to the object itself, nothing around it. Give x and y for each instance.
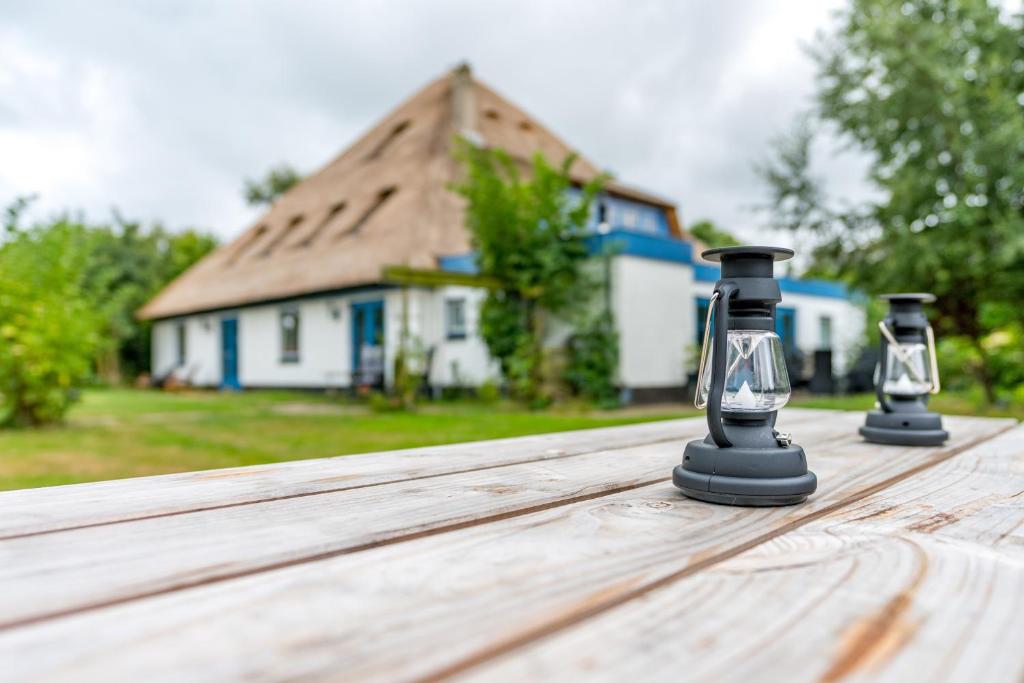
(464, 104)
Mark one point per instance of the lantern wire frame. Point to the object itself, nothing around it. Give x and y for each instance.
(898, 350)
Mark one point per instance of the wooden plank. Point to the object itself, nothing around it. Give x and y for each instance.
(445, 602)
(96, 565)
(922, 581)
(35, 511)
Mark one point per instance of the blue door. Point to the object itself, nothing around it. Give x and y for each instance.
(785, 326)
(368, 343)
(229, 353)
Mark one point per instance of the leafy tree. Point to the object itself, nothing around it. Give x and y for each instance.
(933, 92)
(49, 328)
(711, 235)
(266, 190)
(126, 265)
(528, 232)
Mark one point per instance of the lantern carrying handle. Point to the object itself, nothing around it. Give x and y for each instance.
(719, 355)
(933, 384)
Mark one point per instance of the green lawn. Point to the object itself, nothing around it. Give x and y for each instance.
(946, 403)
(115, 433)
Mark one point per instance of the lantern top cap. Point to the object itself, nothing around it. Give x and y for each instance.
(719, 254)
(922, 297)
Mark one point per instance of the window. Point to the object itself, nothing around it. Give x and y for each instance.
(702, 317)
(247, 242)
(383, 144)
(372, 209)
(181, 335)
(295, 222)
(290, 336)
(455, 318)
(825, 332)
(331, 214)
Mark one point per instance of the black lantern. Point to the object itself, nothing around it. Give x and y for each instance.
(743, 382)
(907, 375)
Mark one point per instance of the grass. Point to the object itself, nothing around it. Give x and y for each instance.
(946, 403)
(115, 433)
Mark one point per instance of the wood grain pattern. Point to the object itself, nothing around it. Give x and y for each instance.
(923, 581)
(440, 604)
(82, 568)
(35, 511)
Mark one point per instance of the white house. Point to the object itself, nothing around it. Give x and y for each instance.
(300, 298)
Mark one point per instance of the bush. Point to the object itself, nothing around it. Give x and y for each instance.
(49, 329)
(488, 392)
(594, 360)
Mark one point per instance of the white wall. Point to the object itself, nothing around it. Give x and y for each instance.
(654, 303)
(164, 350)
(847, 325)
(474, 363)
(324, 345)
(202, 349)
(654, 306)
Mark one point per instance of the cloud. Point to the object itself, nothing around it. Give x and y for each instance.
(161, 109)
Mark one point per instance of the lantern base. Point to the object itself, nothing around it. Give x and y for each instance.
(904, 429)
(747, 476)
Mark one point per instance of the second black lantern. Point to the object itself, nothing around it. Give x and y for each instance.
(907, 375)
(743, 382)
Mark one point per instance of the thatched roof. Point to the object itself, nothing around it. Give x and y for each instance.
(383, 201)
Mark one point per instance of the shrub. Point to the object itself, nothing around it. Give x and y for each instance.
(49, 329)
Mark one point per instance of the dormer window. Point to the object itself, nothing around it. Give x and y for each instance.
(398, 129)
(372, 209)
(332, 213)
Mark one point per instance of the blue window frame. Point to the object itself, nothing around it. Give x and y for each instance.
(785, 326)
(703, 304)
(785, 323)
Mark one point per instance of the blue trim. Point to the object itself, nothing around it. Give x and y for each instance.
(833, 290)
(459, 263)
(785, 326)
(372, 313)
(229, 353)
(703, 304)
(642, 244)
(661, 248)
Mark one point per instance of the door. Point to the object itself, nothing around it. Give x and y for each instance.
(229, 353)
(368, 343)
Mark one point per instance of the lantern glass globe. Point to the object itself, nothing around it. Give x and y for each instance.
(756, 379)
(907, 371)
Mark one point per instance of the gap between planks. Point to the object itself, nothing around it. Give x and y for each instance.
(523, 639)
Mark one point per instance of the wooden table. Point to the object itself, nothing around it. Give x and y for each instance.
(554, 557)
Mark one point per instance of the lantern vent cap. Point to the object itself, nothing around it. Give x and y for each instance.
(922, 297)
(718, 254)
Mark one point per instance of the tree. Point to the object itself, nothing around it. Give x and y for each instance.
(932, 91)
(529, 236)
(126, 265)
(277, 181)
(711, 235)
(49, 329)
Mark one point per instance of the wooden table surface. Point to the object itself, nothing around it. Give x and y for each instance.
(557, 557)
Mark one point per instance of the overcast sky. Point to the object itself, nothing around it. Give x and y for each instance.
(160, 109)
